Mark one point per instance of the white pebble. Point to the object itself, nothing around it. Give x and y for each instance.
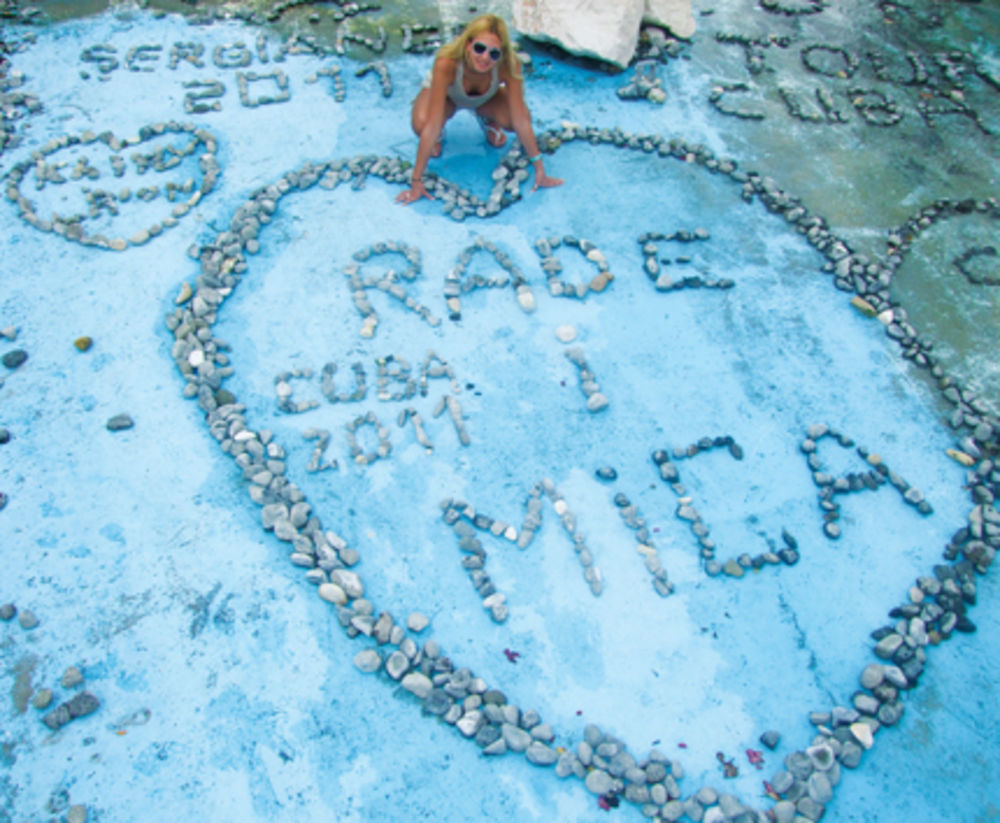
(566, 334)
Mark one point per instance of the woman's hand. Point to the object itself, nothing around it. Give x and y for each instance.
(415, 193)
(543, 181)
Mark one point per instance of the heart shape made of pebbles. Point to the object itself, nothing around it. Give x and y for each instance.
(110, 192)
(935, 608)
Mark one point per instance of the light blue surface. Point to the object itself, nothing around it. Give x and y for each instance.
(143, 557)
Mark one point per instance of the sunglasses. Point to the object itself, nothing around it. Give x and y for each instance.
(481, 48)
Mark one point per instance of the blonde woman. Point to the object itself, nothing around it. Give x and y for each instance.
(478, 70)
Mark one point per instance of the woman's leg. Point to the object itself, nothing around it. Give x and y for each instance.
(495, 116)
(420, 114)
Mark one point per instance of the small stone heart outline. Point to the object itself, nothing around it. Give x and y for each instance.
(72, 229)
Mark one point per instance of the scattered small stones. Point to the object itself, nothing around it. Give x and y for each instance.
(645, 84)
(80, 705)
(120, 422)
(606, 473)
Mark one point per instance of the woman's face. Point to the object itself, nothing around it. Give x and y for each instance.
(482, 51)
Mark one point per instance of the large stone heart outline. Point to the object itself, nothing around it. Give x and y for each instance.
(223, 262)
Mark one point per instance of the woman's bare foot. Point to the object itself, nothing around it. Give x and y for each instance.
(495, 135)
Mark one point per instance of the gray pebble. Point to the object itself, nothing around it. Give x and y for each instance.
(7, 611)
(368, 661)
(418, 684)
(71, 677)
(599, 782)
(538, 754)
(120, 422)
(42, 699)
(437, 702)
(397, 664)
(770, 739)
(15, 358)
(27, 619)
(417, 622)
(872, 676)
(4, 436)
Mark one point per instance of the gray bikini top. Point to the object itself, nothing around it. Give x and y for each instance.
(458, 95)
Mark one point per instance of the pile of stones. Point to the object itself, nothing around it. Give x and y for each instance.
(644, 85)
(14, 105)
(81, 704)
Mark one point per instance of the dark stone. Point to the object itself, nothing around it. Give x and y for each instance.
(789, 556)
(437, 702)
(120, 422)
(82, 704)
(4, 436)
(607, 473)
(770, 739)
(494, 696)
(790, 541)
(15, 358)
(621, 501)
(58, 717)
(487, 734)
(7, 611)
(965, 625)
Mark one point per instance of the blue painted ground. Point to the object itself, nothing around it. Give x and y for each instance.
(226, 685)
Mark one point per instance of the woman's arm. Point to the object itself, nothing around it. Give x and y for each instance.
(442, 76)
(521, 123)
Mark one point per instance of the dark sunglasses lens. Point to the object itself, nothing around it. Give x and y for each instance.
(480, 48)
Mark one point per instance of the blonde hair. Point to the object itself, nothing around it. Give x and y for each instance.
(455, 50)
